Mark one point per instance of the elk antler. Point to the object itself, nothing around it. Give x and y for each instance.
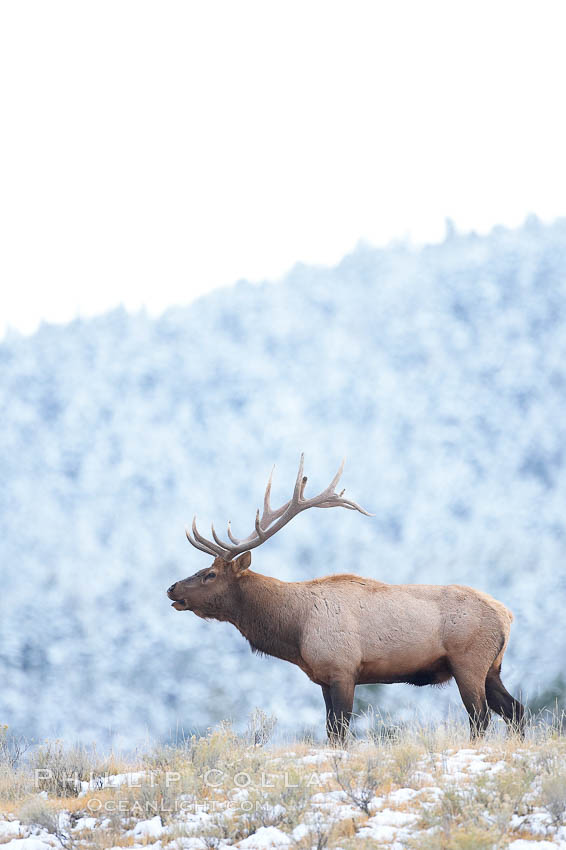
(272, 521)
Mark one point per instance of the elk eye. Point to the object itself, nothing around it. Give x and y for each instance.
(209, 575)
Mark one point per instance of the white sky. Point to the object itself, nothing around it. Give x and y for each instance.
(151, 151)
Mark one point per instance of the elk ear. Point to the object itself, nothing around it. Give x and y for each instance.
(242, 563)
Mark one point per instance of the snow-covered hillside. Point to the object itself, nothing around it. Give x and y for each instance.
(428, 789)
(440, 373)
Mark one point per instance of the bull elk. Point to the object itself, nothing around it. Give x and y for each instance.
(345, 630)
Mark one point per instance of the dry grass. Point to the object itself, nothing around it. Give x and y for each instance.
(242, 785)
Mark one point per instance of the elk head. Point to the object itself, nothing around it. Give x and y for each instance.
(213, 592)
(210, 592)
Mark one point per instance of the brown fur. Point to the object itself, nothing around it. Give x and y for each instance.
(344, 630)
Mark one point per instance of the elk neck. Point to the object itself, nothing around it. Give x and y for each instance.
(268, 614)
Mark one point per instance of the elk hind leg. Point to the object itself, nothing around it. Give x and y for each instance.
(472, 691)
(500, 700)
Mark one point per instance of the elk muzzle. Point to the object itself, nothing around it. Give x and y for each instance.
(178, 604)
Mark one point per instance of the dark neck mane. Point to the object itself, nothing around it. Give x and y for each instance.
(268, 615)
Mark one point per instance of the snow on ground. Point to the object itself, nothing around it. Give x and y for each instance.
(9, 828)
(394, 817)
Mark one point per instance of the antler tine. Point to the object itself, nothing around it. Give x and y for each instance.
(220, 542)
(339, 502)
(266, 498)
(332, 486)
(198, 545)
(299, 485)
(258, 528)
(275, 515)
(270, 515)
(231, 536)
(212, 547)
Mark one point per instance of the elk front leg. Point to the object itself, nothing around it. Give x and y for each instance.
(339, 700)
(328, 704)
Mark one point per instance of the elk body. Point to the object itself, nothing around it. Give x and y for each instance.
(345, 630)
